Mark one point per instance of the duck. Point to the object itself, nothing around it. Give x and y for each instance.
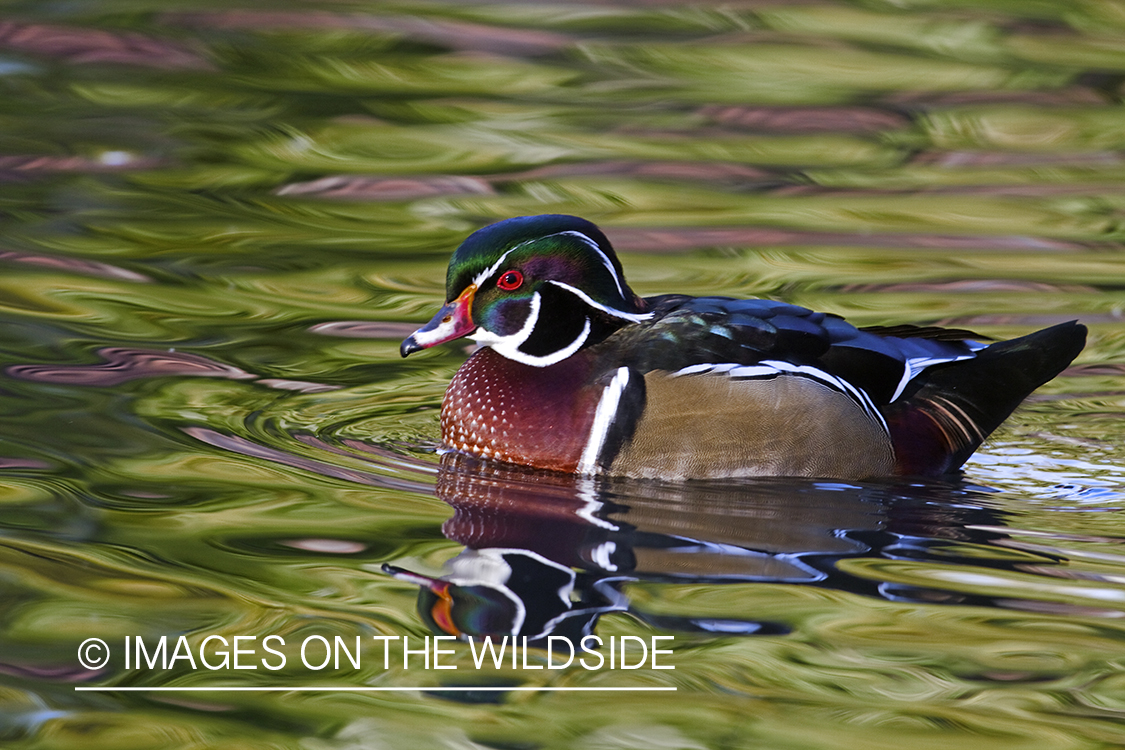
(575, 373)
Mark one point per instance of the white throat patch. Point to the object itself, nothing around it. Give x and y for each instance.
(509, 346)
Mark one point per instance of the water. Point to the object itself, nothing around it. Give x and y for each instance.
(217, 224)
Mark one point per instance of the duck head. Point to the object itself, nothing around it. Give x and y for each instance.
(535, 289)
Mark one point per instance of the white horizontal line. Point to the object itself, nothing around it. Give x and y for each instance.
(314, 689)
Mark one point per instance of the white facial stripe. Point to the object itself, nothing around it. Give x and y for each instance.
(605, 258)
(480, 277)
(604, 417)
(634, 317)
(488, 338)
(513, 352)
(509, 346)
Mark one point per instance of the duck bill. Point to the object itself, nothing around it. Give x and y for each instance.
(426, 582)
(452, 321)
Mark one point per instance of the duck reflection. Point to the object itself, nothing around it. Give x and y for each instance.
(501, 592)
(548, 554)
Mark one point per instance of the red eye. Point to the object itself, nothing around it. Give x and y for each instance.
(510, 280)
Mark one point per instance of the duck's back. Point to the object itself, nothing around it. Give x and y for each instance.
(718, 387)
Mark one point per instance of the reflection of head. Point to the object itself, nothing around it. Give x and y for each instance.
(502, 592)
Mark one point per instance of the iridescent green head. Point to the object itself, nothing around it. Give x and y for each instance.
(534, 288)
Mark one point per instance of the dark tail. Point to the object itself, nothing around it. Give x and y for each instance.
(948, 410)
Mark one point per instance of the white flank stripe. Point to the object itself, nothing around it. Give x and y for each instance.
(769, 368)
(587, 490)
(708, 368)
(831, 380)
(603, 420)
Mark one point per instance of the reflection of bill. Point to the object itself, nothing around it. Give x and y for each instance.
(93, 653)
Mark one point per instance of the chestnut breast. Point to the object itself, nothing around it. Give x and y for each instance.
(507, 411)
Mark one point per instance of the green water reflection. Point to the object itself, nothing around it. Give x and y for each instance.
(217, 223)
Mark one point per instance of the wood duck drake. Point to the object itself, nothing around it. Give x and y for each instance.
(578, 374)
